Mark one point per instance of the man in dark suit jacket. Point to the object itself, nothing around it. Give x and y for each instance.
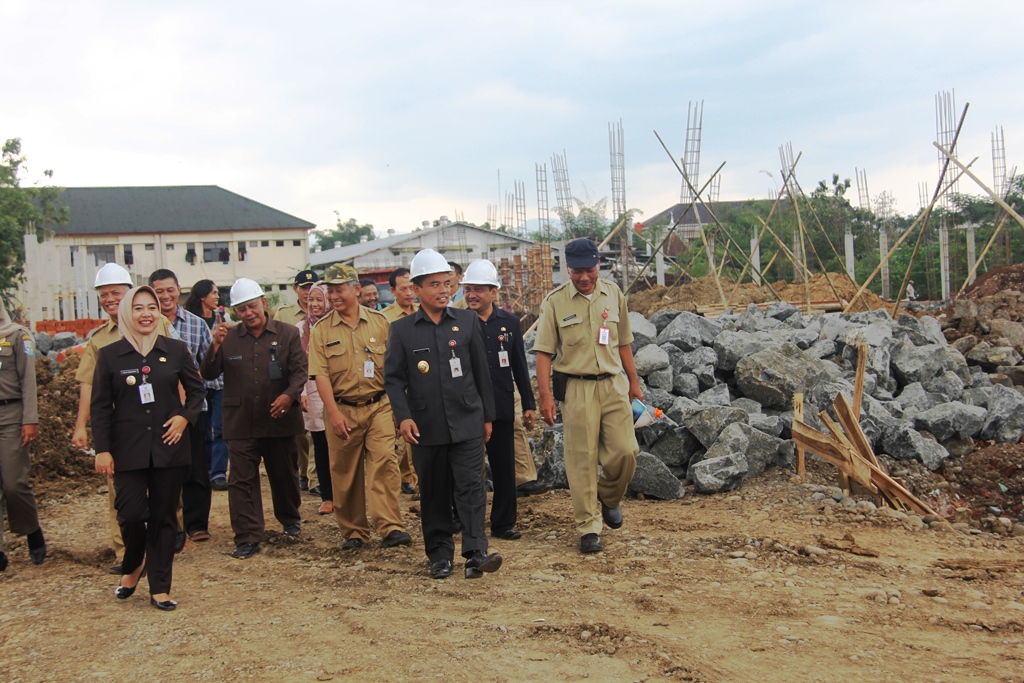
(264, 370)
(506, 359)
(436, 376)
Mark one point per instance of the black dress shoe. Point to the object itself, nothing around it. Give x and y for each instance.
(219, 484)
(478, 563)
(531, 488)
(163, 605)
(611, 516)
(304, 483)
(245, 550)
(396, 537)
(179, 541)
(293, 530)
(407, 488)
(115, 569)
(507, 535)
(354, 543)
(3, 561)
(315, 491)
(441, 569)
(590, 543)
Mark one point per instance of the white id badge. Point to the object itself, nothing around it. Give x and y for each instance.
(503, 359)
(368, 369)
(146, 393)
(603, 336)
(456, 364)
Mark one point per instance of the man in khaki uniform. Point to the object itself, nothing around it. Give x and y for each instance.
(112, 283)
(346, 359)
(292, 314)
(404, 304)
(584, 325)
(19, 426)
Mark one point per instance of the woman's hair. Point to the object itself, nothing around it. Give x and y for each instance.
(200, 291)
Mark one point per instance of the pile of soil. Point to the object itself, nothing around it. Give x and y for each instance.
(997, 279)
(57, 467)
(703, 292)
(992, 479)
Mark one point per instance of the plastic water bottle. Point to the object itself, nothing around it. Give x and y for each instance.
(644, 415)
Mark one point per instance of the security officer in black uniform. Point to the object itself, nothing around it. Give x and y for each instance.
(436, 376)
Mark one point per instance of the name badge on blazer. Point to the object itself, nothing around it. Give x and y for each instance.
(234, 358)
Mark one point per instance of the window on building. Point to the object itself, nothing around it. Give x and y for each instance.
(283, 288)
(216, 251)
(190, 253)
(254, 244)
(169, 246)
(241, 251)
(150, 247)
(296, 243)
(264, 243)
(101, 254)
(280, 243)
(129, 257)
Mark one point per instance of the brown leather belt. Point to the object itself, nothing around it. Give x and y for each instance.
(359, 404)
(591, 378)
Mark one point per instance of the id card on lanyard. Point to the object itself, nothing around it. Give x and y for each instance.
(603, 333)
(145, 388)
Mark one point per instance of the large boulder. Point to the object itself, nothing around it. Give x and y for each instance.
(991, 357)
(644, 332)
(947, 420)
(921, 363)
(914, 396)
(662, 379)
(63, 340)
(715, 396)
(662, 318)
(649, 434)
(675, 448)
(705, 355)
(1005, 420)
(552, 470)
(689, 331)
(685, 384)
(1010, 331)
(734, 346)
(719, 474)
(649, 359)
(44, 342)
(707, 423)
(681, 407)
(781, 310)
(876, 334)
(771, 377)
(654, 480)
(904, 443)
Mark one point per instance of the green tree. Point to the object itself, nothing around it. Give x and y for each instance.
(346, 232)
(20, 208)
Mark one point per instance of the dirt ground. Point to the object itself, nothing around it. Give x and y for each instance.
(733, 587)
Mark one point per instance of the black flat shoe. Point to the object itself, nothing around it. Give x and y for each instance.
(478, 563)
(245, 550)
(293, 530)
(611, 516)
(219, 484)
(163, 605)
(590, 543)
(354, 543)
(3, 561)
(124, 592)
(314, 491)
(115, 569)
(303, 483)
(531, 488)
(179, 541)
(508, 535)
(441, 569)
(395, 538)
(407, 489)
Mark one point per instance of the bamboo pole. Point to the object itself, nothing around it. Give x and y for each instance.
(984, 252)
(966, 170)
(608, 239)
(803, 234)
(798, 416)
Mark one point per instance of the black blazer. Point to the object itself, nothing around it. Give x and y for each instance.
(130, 430)
(504, 324)
(446, 409)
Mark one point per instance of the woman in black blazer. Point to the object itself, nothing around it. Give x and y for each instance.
(139, 427)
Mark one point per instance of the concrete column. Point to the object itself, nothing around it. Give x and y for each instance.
(851, 269)
(659, 268)
(755, 260)
(970, 250)
(944, 257)
(883, 249)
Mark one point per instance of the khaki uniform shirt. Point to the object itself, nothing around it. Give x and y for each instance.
(570, 324)
(339, 352)
(105, 335)
(291, 314)
(395, 312)
(18, 378)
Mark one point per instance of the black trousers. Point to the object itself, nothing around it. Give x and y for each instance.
(147, 502)
(195, 491)
(245, 499)
(501, 454)
(442, 469)
(322, 460)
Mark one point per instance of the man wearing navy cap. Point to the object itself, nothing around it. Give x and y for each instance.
(584, 325)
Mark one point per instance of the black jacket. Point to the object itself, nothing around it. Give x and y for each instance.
(446, 409)
(133, 431)
(504, 324)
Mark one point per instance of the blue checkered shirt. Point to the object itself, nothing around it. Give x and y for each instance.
(197, 337)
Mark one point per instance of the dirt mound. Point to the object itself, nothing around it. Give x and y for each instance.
(56, 465)
(997, 279)
(703, 292)
(992, 479)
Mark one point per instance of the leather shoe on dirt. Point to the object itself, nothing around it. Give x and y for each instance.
(441, 569)
(354, 543)
(115, 569)
(179, 541)
(478, 563)
(245, 550)
(396, 537)
(219, 484)
(531, 488)
(293, 530)
(407, 489)
(611, 516)
(507, 535)
(590, 543)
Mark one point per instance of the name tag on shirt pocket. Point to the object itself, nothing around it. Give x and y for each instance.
(234, 358)
(571, 330)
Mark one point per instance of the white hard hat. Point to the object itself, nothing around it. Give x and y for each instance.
(427, 262)
(113, 274)
(481, 272)
(244, 290)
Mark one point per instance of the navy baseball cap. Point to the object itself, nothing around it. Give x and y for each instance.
(581, 253)
(306, 277)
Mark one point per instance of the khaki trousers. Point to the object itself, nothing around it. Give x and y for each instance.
(526, 469)
(364, 471)
(307, 464)
(598, 431)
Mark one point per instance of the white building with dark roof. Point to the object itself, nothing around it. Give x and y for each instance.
(199, 232)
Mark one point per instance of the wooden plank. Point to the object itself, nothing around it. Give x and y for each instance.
(858, 387)
(859, 470)
(798, 416)
(852, 427)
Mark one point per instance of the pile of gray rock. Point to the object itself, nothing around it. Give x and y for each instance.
(726, 386)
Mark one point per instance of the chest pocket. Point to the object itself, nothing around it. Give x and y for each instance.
(6, 351)
(573, 332)
(337, 358)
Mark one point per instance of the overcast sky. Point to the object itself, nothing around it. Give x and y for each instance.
(398, 112)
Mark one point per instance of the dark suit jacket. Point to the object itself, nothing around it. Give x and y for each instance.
(133, 431)
(248, 391)
(446, 409)
(504, 324)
